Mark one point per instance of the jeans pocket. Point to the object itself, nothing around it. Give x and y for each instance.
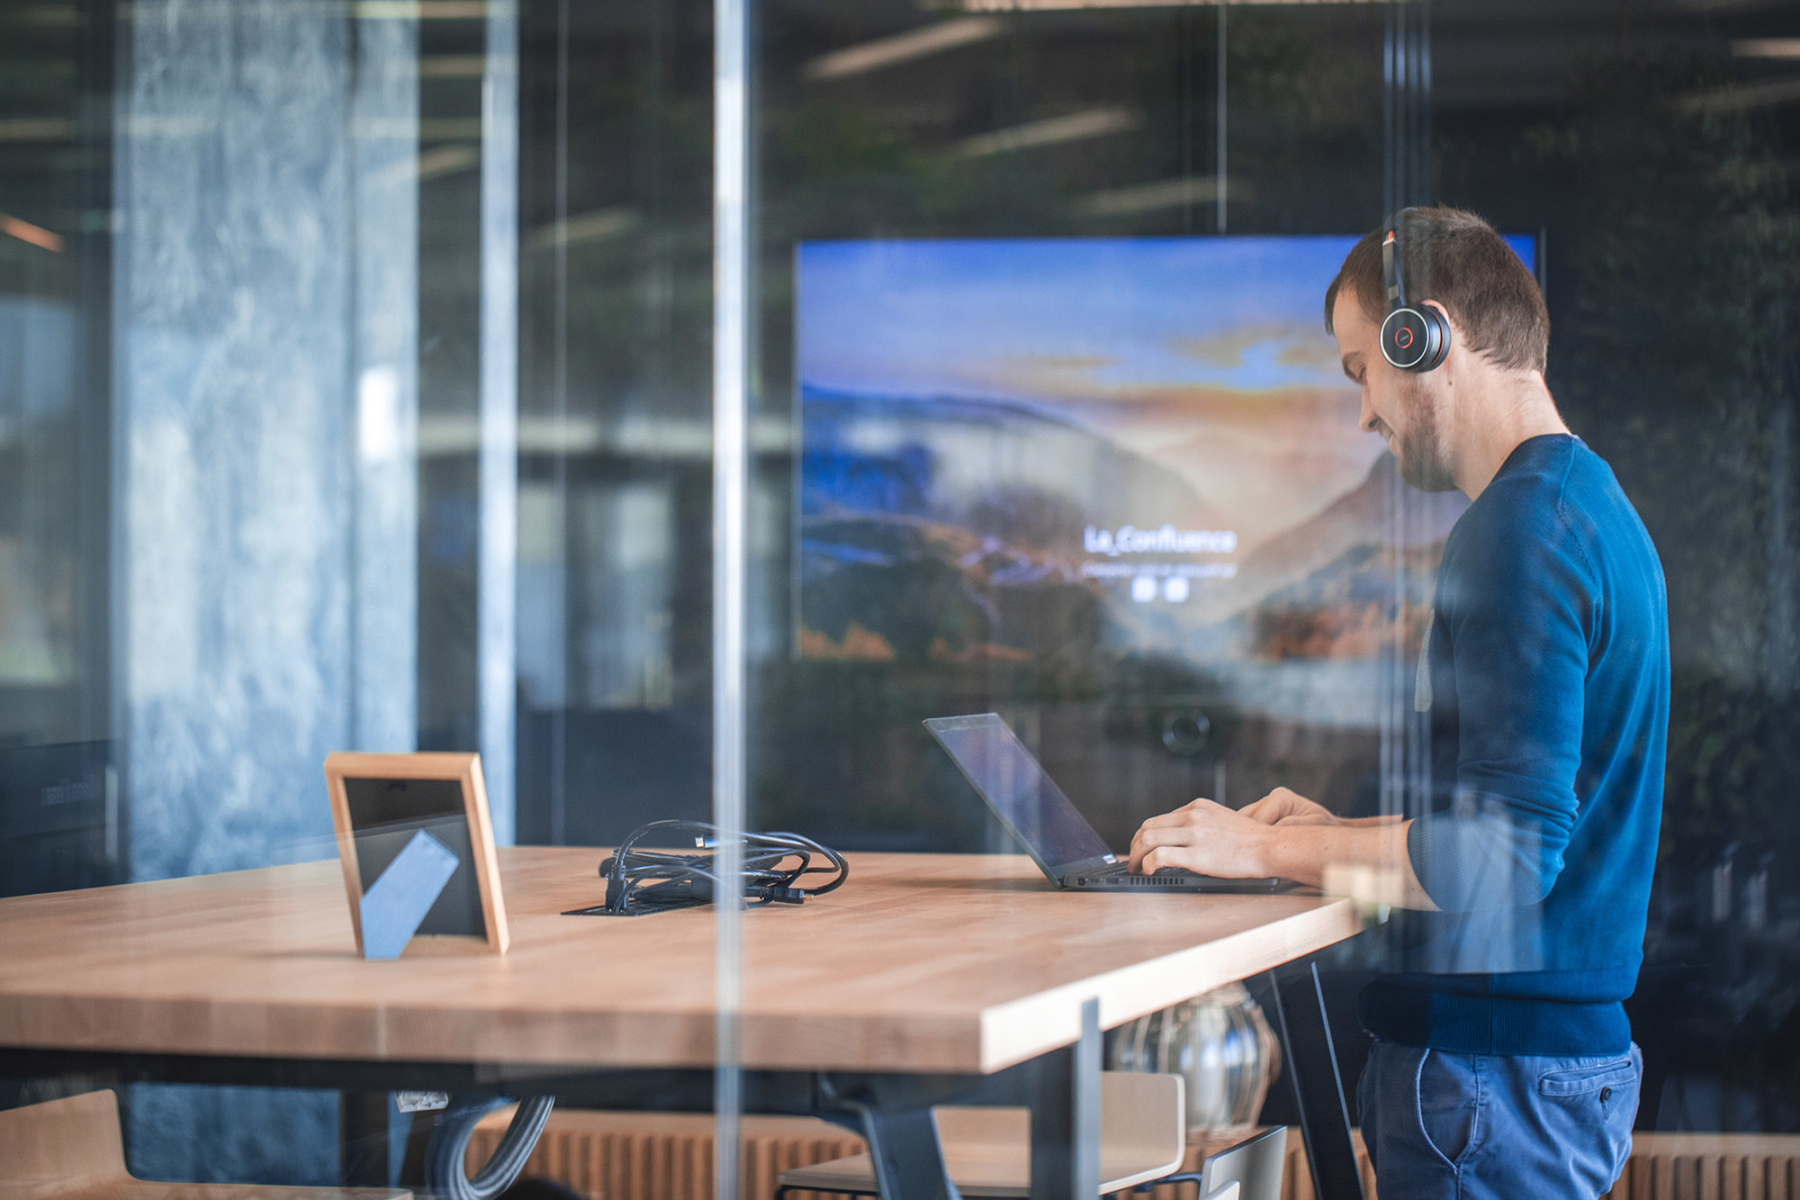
(1448, 1104)
(1579, 1080)
(1589, 1105)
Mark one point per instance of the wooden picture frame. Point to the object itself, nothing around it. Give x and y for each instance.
(378, 801)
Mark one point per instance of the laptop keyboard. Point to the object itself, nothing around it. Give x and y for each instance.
(1125, 869)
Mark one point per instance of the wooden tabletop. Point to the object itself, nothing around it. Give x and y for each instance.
(923, 963)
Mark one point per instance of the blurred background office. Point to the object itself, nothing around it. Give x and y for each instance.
(355, 393)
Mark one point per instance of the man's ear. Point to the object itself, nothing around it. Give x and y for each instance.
(1456, 331)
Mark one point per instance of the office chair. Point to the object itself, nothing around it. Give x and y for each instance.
(1143, 1138)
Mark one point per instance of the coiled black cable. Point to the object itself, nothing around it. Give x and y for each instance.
(444, 1172)
(774, 864)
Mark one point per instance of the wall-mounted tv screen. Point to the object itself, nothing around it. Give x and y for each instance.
(1064, 452)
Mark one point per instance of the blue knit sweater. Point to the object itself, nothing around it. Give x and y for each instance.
(1546, 677)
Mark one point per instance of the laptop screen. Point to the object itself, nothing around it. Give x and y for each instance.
(1026, 800)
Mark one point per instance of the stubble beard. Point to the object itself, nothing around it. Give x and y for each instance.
(1423, 463)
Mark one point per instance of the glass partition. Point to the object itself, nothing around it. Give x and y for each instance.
(680, 404)
(1041, 296)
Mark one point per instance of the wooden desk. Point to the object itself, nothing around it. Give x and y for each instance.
(927, 965)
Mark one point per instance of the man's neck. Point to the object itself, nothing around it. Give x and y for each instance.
(1496, 418)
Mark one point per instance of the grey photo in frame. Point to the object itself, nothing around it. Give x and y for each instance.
(379, 802)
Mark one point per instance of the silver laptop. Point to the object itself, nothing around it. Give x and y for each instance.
(1034, 810)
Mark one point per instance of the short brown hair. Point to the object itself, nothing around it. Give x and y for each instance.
(1456, 259)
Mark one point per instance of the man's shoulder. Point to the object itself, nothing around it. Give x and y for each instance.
(1521, 512)
(1553, 488)
(1557, 509)
(1540, 476)
(1526, 531)
(1594, 507)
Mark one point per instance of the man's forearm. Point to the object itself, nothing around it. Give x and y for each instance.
(1304, 852)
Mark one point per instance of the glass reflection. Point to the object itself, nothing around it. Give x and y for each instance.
(244, 478)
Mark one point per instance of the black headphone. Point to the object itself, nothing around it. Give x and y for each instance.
(1413, 339)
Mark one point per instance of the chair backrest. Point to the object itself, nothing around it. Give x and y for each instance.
(1143, 1136)
(1136, 1109)
(1144, 1116)
(1255, 1166)
(61, 1146)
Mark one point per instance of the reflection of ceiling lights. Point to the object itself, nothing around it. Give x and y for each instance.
(1154, 197)
(447, 160)
(1048, 5)
(585, 227)
(36, 129)
(1095, 122)
(25, 231)
(362, 10)
(449, 129)
(452, 66)
(420, 10)
(57, 16)
(902, 47)
(1739, 96)
(426, 166)
(640, 438)
(1766, 48)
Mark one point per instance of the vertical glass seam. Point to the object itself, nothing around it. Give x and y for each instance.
(559, 720)
(498, 419)
(730, 498)
(1219, 169)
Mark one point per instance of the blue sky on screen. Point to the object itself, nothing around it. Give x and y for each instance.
(1036, 318)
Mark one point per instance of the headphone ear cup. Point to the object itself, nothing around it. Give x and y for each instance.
(1415, 339)
(1437, 337)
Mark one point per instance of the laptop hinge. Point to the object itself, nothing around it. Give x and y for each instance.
(1087, 866)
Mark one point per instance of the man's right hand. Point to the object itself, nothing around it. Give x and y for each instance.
(1285, 807)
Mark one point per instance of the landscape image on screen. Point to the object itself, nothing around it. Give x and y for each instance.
(1065, 452)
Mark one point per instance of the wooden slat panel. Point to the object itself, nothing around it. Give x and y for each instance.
(650, 1156)
(1710, 1166)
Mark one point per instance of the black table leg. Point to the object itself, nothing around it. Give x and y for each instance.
(893, 1114)
(908, 1160)
(1065, 1116)
(1318, 1090)
(363, 1119)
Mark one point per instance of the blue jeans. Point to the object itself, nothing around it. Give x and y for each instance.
(1443, 1126)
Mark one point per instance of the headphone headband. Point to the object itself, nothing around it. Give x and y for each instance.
(1390, 266)
(1412, 339)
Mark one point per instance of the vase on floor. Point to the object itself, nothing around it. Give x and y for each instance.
(1219, 1043)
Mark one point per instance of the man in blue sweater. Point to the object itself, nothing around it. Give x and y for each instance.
(1503, 1065)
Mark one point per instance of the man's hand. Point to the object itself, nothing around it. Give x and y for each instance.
(1206, 838)
(1283, 834)
(1285, 807)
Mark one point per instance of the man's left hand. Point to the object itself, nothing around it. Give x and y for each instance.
(1205, 838)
